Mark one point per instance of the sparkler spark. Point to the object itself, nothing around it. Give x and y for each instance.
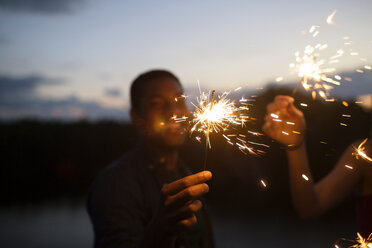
(313, 72)
(222, 115)
(348, 166)
(363, 242)
(215, 115)
(305, 177)
(314, 69)
(330, 17)
(360, 152)
(263, 183)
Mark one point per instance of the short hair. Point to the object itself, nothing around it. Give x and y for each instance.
(140, 82)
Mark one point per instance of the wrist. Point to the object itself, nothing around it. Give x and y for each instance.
(295, 147)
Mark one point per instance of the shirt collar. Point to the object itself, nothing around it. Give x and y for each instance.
(155, 164)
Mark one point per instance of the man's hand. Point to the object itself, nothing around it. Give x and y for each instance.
(181, 204)
(284, 122)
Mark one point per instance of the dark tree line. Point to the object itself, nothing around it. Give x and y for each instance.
(44, 161)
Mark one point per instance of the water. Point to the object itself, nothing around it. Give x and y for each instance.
(46, 226)
(63, 225)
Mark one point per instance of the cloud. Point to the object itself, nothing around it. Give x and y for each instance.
(41, 6)
(68, 109)
(113, 92)
(12, 89)
(18, 100)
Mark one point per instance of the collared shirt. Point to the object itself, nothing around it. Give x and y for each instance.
(125, 198)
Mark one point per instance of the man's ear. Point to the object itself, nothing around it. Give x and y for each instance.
(136, 118)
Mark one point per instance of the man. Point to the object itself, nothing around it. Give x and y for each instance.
(147, 198)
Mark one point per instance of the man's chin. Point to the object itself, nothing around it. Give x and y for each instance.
(174, 142)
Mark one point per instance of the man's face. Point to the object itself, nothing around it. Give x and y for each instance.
(161, 100)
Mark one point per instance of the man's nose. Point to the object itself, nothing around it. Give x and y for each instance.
(175, 109)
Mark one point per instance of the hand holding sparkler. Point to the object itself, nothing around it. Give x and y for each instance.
(284, 122)
(177, 214)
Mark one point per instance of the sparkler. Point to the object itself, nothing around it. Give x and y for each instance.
(314, 70)
(360, 152)
(221, 115)
(362, 242)
(213, 116)
(311, 69)
(359, 242)
(207, 141)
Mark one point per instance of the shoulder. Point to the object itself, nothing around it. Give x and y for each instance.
(124, 170)
(116, 183)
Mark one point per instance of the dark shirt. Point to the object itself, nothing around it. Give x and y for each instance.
(364, 214)
(125, 198)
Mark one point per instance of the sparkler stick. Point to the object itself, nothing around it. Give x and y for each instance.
(295, 89)
(207, 141)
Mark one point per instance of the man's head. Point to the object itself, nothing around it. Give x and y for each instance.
(156, 96)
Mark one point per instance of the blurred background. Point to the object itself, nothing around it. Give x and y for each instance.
(65, 71)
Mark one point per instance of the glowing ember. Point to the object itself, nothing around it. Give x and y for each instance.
(360, 152)
(305, 177)
(330, 18)
(263, 183)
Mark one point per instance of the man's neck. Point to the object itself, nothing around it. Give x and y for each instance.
(171, 159)
(169, 156)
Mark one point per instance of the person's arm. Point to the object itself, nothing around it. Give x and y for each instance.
(118, 215)
(310, 200)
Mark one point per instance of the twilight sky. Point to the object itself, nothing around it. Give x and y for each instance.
(59, 58)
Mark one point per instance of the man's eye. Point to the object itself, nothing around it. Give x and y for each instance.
(155, 104)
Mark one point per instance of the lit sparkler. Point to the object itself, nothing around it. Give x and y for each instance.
(218, 114)
(215, 115)
(363, 242)
(360, 152)
(314, 70)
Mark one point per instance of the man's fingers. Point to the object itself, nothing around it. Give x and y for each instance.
(185, 212)
(186, 224)
(186, 195)
(277, 107)
(272, 107)
(183, 183)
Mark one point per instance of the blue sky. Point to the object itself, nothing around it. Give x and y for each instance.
(90, 50)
